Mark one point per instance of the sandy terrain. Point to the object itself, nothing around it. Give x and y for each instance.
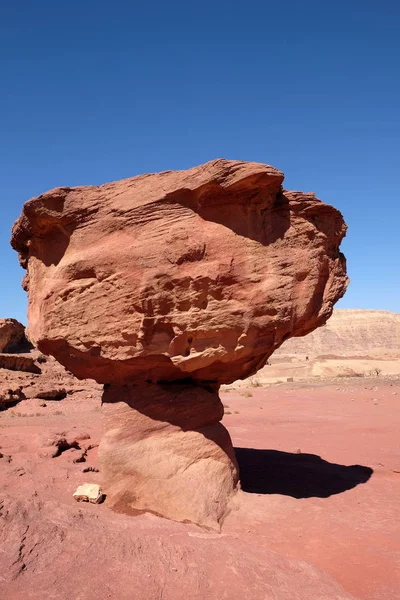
(317, 517)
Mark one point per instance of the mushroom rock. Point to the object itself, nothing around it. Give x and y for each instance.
(162, 287)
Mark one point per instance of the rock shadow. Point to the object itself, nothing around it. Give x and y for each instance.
(22, 347)
(296, 475)
(264, 222)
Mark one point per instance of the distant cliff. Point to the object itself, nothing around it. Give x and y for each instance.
(350, 332)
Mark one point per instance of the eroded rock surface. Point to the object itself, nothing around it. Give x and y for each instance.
(19, 362)
(12, 333)
(28, 374)
(199, 273)
(194, 276)
(165, 451)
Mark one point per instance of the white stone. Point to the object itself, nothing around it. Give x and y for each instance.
(89, 492)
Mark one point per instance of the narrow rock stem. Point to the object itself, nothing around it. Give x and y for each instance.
(165, 451)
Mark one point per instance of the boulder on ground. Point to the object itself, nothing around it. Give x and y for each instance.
(9, 396)
(12, 333)
(89, 492)
(19, 362)
(52, 394)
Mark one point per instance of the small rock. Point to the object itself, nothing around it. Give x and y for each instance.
(81, 435)
(52, 394)
(89, 492)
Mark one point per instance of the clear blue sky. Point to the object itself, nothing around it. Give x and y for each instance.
(95, 91)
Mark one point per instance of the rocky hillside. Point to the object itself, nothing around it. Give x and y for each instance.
(26, 373)
(350, 333)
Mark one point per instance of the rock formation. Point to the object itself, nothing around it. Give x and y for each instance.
(12, 333)
(162, 287)
(25, 373)
(351, 332)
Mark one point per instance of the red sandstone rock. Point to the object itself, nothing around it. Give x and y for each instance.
(12, 333)
(10, 395)
(19, 362)
(33, 375)
(59, 442)
(165, 451)
(198, 273)
(193, 276)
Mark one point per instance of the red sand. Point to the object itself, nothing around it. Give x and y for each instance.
(342, 520)
(353, 535)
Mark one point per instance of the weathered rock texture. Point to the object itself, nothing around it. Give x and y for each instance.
(12, 333)
(165, 451)
(193, 276)
(26, 374)
(19, 362)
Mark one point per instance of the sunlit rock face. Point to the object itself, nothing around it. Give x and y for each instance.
(181, 278)
(12, 334)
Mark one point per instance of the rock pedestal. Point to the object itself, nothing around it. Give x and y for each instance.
(163, 287)
(164, 450)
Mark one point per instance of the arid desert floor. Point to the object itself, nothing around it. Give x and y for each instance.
(317, 517)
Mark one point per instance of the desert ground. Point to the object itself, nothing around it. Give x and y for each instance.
(317, 516)
(316, 437)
